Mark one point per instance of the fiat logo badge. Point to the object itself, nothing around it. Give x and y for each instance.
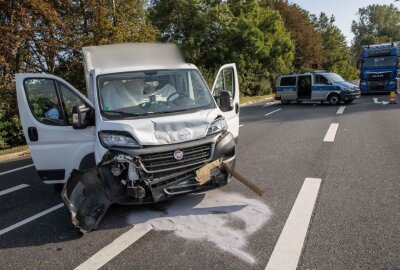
(178, 154)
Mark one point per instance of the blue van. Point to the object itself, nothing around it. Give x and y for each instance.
(316, 86)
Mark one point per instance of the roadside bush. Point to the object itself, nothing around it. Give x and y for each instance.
(10, 125)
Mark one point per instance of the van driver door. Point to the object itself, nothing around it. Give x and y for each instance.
(227, 80)
(45, 105)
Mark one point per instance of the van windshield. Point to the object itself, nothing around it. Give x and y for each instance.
(333, 77)
(141, 93)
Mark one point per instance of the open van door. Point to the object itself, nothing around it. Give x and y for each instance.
(45, 104)
(227, 83)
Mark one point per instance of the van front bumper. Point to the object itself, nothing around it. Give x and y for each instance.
(350, 95)
(160, 176)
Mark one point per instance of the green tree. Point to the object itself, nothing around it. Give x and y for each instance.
(212, 33)
(47, 36)
(337, 55)
(308, 41)
(375, 24)
(91, 23)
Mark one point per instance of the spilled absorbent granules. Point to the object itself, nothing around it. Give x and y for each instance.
(225, 219)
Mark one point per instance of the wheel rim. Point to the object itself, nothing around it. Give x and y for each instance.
(334, 99)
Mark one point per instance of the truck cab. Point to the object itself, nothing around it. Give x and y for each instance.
(148, 123)
(315, 86)
(379, 65)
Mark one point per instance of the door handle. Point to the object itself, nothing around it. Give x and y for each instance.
(33, 134)
(237, 108)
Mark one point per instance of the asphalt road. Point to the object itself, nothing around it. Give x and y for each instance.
(354, 220)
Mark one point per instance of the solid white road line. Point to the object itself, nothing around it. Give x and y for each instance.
(241, 125)
(287, 251)
(116, 247)
(331, 133)
(341, 110)
(23, 222)
(17, 169)
(271, 103)
(4, 192)
(272, 112)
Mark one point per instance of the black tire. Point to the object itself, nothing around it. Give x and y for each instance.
(349, 101)
(285, 102)
(334, 99)
(57, 187)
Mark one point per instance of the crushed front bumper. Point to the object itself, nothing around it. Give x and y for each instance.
(145, 175)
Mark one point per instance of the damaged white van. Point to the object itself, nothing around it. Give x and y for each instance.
(148, 125)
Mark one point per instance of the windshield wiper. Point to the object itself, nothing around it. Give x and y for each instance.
(165, 112)
(125, 113)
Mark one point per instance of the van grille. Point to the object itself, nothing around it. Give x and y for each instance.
(165, 161)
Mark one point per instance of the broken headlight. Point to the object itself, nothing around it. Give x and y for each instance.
(117, 139)
(217, 126)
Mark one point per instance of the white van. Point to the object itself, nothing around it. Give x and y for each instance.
(148, 124)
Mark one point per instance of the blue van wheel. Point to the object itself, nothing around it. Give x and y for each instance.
(334, 99)
(285, 102)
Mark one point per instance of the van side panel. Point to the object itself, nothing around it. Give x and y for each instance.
(286, 88)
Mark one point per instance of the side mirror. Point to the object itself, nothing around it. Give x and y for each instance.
(82, 116)
(359, 61)
(226, 102)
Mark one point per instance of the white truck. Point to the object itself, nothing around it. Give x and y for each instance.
(148, 125)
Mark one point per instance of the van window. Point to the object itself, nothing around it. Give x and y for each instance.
(225, 81)
(44, 101)
(288, 81)
(69, 100)
(319, 79)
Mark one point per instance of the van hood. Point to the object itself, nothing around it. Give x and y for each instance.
(346, 85)
(165, 129)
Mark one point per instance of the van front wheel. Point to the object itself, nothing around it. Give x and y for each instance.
(334, 99)
(285, 102)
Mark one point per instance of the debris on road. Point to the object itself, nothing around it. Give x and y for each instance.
(213, 216)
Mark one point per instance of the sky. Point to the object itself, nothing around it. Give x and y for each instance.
(345, 11)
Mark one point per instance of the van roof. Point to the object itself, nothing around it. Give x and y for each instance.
(307, 73)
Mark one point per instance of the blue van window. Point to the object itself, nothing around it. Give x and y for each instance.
(319, 79)
(288, 81)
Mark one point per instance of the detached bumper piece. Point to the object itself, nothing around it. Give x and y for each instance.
(146, 175)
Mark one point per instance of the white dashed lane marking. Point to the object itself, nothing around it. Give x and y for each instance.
(341, 110)
(25, 221)
(17, 169)
(271, 103)
(272, 112)
(9, 190)
(287, 251)
(331, 133)
(116, 247)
